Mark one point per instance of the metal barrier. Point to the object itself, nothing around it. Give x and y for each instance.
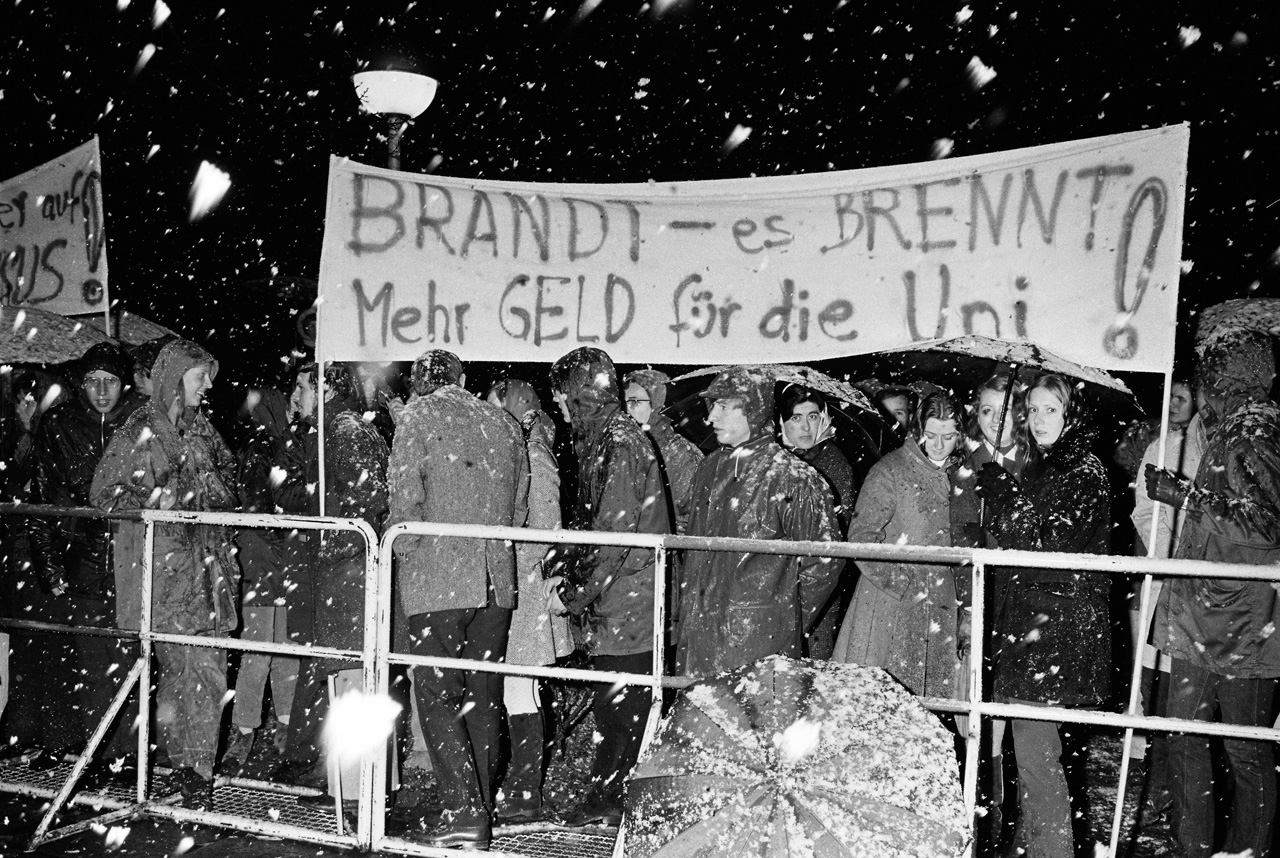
(376, 657)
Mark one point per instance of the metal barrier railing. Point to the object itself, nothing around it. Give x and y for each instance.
(377, 657)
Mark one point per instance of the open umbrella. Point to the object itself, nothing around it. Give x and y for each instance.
(962, 363)
(862, 434)
(792, 758)
(131, 329)
(1251, 314)
(32, 335)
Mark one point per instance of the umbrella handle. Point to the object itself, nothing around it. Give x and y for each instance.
(1004, 413)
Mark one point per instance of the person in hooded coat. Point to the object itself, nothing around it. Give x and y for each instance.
(646, 396)
(731, 609)
(1053, 627)
(458, 459)
(537, 637)
(903, 615)
(168, 456)
(1219, 632)
(332, 598)
(609, 590)
(72, 555)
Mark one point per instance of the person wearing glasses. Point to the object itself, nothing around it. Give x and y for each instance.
(71, 555)
(646, 392)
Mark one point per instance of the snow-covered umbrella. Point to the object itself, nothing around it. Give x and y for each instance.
(862, 433)
(1250, 314)
(960, 364)
(32, 335)
(798, 758)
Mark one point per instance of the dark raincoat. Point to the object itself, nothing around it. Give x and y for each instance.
(903, 615)
(827, 460)
(1222, 625)
(196, 578)
(609, 589)
(680, 459)
(271, 460)
(1053, 627)
(457, 459)
(73, 436)
(731, 608)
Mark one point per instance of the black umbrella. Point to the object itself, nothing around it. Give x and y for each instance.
(861, 432)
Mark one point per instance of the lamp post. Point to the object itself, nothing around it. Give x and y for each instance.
(394, 84)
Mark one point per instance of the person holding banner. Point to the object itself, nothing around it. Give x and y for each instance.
(167, 455)
(457, 459)
(609, 590)
(1053, 628)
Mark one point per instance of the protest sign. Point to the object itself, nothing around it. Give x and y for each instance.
(1075, 246)
(52, 250)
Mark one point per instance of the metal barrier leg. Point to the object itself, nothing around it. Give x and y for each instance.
(42, 833)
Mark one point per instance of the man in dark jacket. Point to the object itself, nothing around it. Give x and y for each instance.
(1219, 631)
(609, 589)
(732, 609)
(73, 554)
(458, 459)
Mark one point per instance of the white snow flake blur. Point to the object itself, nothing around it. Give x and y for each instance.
(359, 724)
(737, 137)
(798, 741)
(210, 186)
(979, 73)
(1188, 36)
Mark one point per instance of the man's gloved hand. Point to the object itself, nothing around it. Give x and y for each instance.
(1165, 487)
(964, 627)
(996, 486)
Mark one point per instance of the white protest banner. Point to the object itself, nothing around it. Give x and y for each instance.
(52, 248)
(1075, 246)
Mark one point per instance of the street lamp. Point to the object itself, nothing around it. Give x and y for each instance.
(394, 84)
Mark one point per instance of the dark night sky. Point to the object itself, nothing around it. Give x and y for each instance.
(540, 92)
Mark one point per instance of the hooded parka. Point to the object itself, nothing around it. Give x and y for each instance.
(609, 589)
(1053, 627)
(732, 608)
(1232, 513)
(157, 461)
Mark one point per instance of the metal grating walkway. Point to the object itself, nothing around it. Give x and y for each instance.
(273, 807)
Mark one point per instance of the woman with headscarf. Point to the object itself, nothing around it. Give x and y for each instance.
(903, 615)
(1052, 627)
(167, 455)
(537, 637)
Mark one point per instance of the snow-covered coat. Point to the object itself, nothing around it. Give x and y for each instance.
(457, 459)
(680, 458)
(536, 636)
(609, 589)
(1053, 626)
(196, 579)
(731, 609)
(903, 615)
(1223, 625)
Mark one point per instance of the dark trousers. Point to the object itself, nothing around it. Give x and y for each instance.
(620, 712)
(310, 708)
(461, 711)
(1193, 694)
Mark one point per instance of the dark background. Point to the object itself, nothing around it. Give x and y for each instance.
(542, 92)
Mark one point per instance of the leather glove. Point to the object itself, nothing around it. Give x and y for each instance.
(996, 485)
(1164, 487)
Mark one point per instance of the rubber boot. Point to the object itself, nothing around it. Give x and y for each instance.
(522, 789)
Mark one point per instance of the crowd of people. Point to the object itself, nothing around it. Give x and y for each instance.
(1010, 465)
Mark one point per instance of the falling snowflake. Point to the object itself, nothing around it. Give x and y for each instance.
(207, 190)
(979, 73)
(1188, 36)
